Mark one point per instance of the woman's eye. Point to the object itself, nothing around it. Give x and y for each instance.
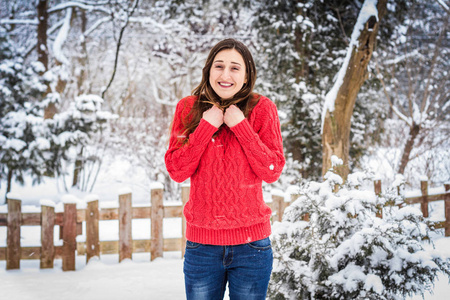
(218, 67)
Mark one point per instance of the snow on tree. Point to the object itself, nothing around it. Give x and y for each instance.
(345, 252)
(21, 88)
(29, 144)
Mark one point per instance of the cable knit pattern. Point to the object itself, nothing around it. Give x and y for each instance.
(226, 205)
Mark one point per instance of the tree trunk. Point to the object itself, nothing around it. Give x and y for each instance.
(8, 183)
(413, 133)
(42, 32)
(42, 49)
(77, 168)
(336, 126)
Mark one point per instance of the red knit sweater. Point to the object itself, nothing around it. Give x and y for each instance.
(226, 205)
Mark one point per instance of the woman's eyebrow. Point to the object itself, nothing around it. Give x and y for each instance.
(221, 61)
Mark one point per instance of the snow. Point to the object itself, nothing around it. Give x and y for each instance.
(104, 279)
(156, 186)
(70, 4)
(368, 10)
(15, 196)
(373, 282)
(47, 202)
(90, 198)
(61, 38)
(277, 192)
(124, 190)
(336, 161)
(441, 2)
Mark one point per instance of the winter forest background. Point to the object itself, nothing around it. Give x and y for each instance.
(102, 81)
(87, 84)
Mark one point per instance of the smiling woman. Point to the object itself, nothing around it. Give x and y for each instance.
(227, 140)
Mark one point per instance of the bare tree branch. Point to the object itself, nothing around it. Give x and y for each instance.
(119, 43)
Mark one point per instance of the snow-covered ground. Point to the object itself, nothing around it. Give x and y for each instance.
(106, 278)
(137, 279)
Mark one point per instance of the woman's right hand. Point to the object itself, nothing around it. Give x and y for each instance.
(214, 116)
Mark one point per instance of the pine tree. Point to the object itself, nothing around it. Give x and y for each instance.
(345, 252)
(21, 89)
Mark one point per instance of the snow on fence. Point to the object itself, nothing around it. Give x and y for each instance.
(70, 222)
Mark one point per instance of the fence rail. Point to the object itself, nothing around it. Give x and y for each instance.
(70, 222)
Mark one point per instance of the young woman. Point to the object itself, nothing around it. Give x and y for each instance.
(227, 140)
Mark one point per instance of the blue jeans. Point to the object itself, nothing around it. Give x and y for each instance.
(246, 268)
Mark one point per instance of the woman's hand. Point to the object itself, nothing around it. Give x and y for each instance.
(233, 116)
(214, 116)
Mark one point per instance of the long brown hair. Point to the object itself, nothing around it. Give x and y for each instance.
(245, 99)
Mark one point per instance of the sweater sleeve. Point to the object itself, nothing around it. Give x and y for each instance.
(263, 149)
(182, 160)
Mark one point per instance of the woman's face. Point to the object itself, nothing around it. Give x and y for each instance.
(227, 74)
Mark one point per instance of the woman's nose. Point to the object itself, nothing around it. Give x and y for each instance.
(225, 74)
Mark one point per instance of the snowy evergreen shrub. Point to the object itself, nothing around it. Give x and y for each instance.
(21, 89)
(345, 252)
(30, 144)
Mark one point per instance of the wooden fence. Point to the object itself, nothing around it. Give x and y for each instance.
(70, 222)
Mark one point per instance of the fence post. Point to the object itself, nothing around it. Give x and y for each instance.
(125, 219)
(185, 190)
(447, 209)
(424, 203)
(69, 234)
(278, 205)
(157, 215)
(377, 189)
(92, 236)
(47, 236)
(13, 249)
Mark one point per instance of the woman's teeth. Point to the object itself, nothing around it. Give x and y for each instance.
(225, 84)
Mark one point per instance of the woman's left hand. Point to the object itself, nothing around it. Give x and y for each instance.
(233, 116)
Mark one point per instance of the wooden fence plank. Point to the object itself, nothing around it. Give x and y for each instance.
(69, 236)
(142, 212)
(30, 253)
(31, 219)
(157, 239)
(125, 219)
(424, 203)
(59, 220)
(447, 209)
(173, 211)
(3, 219)
(92, 231)
(13, 249)
(185, 190)
(109, 214)
(47, 237)
(430, 198)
